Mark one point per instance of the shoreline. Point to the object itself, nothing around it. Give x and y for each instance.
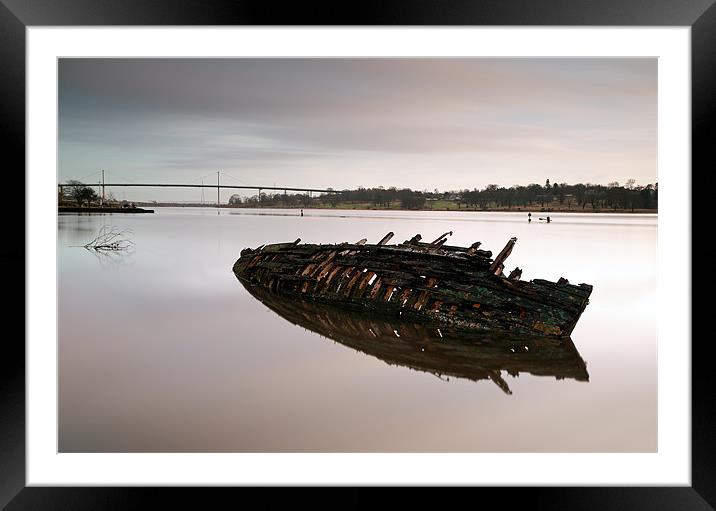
(534, 212)
(75, 209)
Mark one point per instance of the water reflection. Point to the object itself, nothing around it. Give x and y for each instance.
(166, 352)
(110, 257)
(437, 349)
(110, 245)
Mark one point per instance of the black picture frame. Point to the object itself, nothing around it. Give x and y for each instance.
(16, 15)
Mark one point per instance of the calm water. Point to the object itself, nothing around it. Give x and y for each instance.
(162, 349)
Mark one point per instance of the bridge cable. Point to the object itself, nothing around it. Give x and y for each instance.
(88, 175)
(203, 177)
(235, 178)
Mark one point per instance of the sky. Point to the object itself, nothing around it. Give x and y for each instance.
(443, 123)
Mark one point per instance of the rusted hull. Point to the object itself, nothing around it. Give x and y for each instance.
(447, 285)
(444, 351)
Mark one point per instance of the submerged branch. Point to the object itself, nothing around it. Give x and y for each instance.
(111, 239)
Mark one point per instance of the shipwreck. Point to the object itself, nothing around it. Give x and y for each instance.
(443, 351)
(463, 287)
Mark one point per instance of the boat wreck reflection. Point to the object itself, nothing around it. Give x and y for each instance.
(433, 348)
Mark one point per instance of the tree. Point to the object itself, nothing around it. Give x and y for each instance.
(412, 201)
(580, 192)
(645, 193)
(87, 195)
(81, 193)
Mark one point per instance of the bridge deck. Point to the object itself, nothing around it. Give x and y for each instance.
(174, 185)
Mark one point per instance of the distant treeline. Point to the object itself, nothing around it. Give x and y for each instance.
(586, 197)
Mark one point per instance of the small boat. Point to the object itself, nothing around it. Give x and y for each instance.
(443, 351)
(435, 282)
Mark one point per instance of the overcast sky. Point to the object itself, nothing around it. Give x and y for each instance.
(344, 123)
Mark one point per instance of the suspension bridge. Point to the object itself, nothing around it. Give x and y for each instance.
(102, 184)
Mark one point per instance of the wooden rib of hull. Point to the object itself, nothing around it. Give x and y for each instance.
(449, 285)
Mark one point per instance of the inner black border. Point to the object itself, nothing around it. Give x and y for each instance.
(15, 15)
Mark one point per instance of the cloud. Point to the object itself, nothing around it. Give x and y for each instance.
(318, 120)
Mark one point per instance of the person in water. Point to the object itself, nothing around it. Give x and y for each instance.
(529, 217)
(548, 220)
(301, 212)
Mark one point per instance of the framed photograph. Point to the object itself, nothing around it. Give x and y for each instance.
(421, 250)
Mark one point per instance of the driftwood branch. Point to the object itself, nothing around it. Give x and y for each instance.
(111, 239)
